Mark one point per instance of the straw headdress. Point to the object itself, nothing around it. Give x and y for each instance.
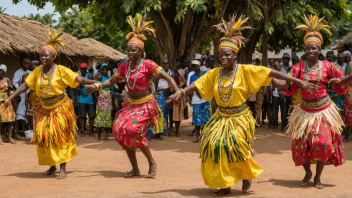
(313, 26)
(233, 38)
(137, 36)
(54, 41)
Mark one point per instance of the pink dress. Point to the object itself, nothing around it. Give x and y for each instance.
(316, 125)
(132, 122)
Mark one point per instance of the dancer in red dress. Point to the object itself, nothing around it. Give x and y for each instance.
(141, 110)
(316, 125)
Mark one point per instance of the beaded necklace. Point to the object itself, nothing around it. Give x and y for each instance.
(135, 77)
(308, 70)
(221, 86)
(49, 84)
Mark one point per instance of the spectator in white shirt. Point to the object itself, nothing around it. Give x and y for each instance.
(17, 78)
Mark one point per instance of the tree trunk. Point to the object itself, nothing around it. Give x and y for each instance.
(187, 22)
(265, 34)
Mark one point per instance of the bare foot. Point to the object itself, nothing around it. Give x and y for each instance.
(132, 173)
(62, 175)
(222, 192)
(246, 185)
(152, 170)
(306, 178)
(50, 171)
(12, 141)
(318, 184)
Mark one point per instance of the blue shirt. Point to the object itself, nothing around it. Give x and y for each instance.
(83, 96)
(194, 77)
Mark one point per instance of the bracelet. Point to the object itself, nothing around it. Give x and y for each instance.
(183, 91)
(98, 85)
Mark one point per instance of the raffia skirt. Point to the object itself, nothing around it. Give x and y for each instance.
(54, 135)
(226, 152)
(315, 128)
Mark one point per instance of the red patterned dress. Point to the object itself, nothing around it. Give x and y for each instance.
(136, 116)
(347, 108)
(316, 125)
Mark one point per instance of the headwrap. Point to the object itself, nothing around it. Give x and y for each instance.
(137, 36)
(346, 53)
(104, 65)
(54, 39)
(313, 25)
(3, 67)
(233, 38)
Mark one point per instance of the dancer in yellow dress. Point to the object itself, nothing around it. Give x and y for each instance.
(55, 124)
(226, 152)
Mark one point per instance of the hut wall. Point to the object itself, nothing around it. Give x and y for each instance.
(13, 62)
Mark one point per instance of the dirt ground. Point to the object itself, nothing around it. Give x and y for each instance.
(99, 169)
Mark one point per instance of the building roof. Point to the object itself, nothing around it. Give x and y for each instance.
(344, 43)
(28, 36)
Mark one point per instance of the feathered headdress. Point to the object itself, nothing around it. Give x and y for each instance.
(313, 25)
(233, 38)
(139, 30)
(54, 41)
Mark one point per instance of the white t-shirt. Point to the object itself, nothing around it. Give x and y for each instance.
(163, 84)
(204, 68)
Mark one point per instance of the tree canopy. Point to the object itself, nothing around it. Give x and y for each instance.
(185, 26)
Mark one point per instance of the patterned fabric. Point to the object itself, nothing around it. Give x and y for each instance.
(132, 122)
(316, 132)
(328, 71)
(147, 70)
(201, 114)
(33, 103)
(347, 108)
(104, 108)
(319, 145)
(162, 97)
(178, 108)
(6, 112)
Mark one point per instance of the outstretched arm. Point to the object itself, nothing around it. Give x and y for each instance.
(22, 88)
(85, 81)
(107, 84)
(169, 80)
(177, 95)
(289, 79)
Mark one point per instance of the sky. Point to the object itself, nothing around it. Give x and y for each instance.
(24, 8)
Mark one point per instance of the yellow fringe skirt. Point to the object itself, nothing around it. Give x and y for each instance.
(55, 132)
(225, 149)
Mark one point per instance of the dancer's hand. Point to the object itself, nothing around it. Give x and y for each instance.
(334, 81)
(91, 88)
(174, 97)
(7, 102)
(307, 85)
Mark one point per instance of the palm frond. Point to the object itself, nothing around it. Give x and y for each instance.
(140, 28)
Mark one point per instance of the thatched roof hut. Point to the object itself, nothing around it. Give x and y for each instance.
(343, 44)
(27, 36)
(100, 50)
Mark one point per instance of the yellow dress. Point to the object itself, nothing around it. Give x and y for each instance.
(55, 124)
(225, 146)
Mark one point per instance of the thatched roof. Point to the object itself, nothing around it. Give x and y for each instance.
(100, 49)
(22, 35)
(344, 43)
